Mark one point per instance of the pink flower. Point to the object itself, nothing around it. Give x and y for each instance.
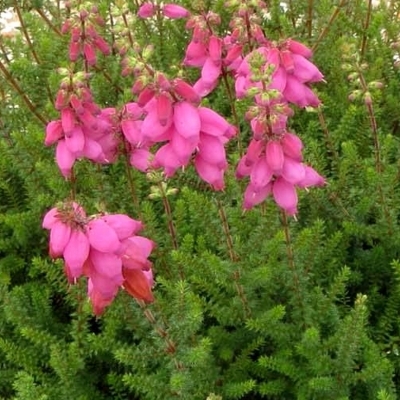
(196, 54)
(146, 10)
(285, 195)
(54, 132)
(65, 159)
(210, 173)
(254, 196)
(174, 11)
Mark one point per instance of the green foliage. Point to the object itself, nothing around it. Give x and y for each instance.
(248, 305)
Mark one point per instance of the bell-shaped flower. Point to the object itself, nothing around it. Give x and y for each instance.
(123, 225)
(196, 54)
(76, 253)
(54, 132)
(274, 156)
(65, 159)
(140, 158)
(261, 173)
(99, 300)
(102, 237)
(212, 150)
(292, 146)
(174, 11)
(146, 10)
(60, 234)
(254, 195)
(293, 171)
(311, 178)
(137, 284)
(285, 195)
(210, 173)
(187, 120)
(214, 124)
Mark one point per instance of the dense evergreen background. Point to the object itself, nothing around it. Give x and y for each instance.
(250, 305)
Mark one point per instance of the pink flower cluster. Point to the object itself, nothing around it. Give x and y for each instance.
(85, 39)
(275, 166)
(274, 75)
(168, 113)
(173, 11)
(84, 130)
(290, 71)
(104, 248)
(273, 160)
(210, 53)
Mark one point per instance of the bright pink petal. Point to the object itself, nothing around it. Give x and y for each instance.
(59, 237)
(164, 108)
(211, 71)
(212, 123)
(131, 131)
(183, 147)
(242, 169)
(300, 94)
(50, 218)
(299, 48)
(140, 159)
(76, 141)
(292, 146)
(285, 195)
(196, 54)
(311, 178)
(98, 299)
(274, 156)
(152, 128)
(174, 11)
(254, 196)
(254, 151)
(107, 265)
(67, 120)
(215, 48)
(102, 237)
(279, 80)
(306, 71)
(293, 171)
(65, 159)
(145, 245)
(167, 159)
(261, 174)
(187, 120)
(146, 10)
(210, 173)
(123, 225)
(186, 91)
(54, 132)
(212, 151)
(76, 252)
(241, 87)
(203, 88)
(92, 150)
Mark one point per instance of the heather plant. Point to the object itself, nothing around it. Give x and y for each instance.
(218, 188)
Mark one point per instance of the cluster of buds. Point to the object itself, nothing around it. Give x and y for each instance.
(83, 27)
(361, 88)
(84, 130)
(104, 248)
